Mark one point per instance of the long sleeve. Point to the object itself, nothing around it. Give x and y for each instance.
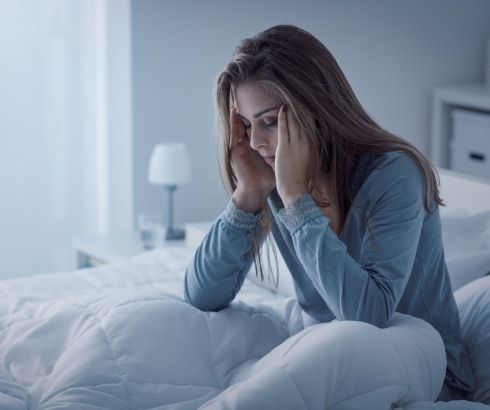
(367, 290)
(222, 261)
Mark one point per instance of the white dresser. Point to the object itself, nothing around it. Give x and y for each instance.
(470, 142)
(460, 135)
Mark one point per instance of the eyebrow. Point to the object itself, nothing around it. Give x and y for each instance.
(258, 114)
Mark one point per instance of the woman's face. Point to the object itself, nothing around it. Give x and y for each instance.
(258, 112)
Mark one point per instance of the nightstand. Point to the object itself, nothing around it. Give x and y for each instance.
(474, 97)
(95, 250)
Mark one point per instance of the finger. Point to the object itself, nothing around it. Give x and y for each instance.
(232, 127)
(235, 129)
(293, 127)
(283, 125)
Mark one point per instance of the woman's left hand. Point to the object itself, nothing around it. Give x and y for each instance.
(292, 159)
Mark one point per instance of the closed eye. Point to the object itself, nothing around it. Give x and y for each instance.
(268, 124)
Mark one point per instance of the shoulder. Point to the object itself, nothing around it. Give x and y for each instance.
(397, 162)
(396, 173)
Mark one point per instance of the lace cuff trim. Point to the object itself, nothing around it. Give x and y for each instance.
(239, 218)
(299, 211)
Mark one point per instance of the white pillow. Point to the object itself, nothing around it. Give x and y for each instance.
(466, 239)
(473, 302)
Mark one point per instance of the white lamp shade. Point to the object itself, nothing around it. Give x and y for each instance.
(169, 165)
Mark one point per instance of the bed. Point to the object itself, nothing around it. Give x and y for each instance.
(120, 336)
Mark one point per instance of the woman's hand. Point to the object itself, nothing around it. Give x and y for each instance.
(255, 179)
(292, 159)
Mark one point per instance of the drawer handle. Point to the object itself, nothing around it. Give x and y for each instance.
(477, 156)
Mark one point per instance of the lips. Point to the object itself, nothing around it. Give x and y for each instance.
(270, 159)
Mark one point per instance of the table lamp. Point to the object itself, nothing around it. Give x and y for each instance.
(170, 167)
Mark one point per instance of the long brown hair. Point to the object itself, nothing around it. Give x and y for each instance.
(296, 67)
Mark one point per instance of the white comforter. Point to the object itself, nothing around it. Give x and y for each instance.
(121, 337)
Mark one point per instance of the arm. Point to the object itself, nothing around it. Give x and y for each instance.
(222, 261)
(368, 290)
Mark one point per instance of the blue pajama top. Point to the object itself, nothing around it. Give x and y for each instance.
(399, 267)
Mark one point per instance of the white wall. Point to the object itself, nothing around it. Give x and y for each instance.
(392, 52)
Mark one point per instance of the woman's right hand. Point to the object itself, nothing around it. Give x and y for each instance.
(255, 178)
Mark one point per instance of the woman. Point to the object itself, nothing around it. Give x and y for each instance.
(352, 208)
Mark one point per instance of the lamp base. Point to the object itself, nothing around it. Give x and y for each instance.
(173, 234)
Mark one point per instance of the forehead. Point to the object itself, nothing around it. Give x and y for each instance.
(251, 97)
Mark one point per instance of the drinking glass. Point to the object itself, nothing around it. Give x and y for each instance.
(151, 229)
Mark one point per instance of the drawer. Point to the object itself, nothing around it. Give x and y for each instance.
(468, 159)
(471, 127)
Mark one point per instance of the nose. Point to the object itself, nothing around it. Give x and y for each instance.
(257, 139)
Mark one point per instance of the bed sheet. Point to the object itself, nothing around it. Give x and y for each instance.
(120, 336)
